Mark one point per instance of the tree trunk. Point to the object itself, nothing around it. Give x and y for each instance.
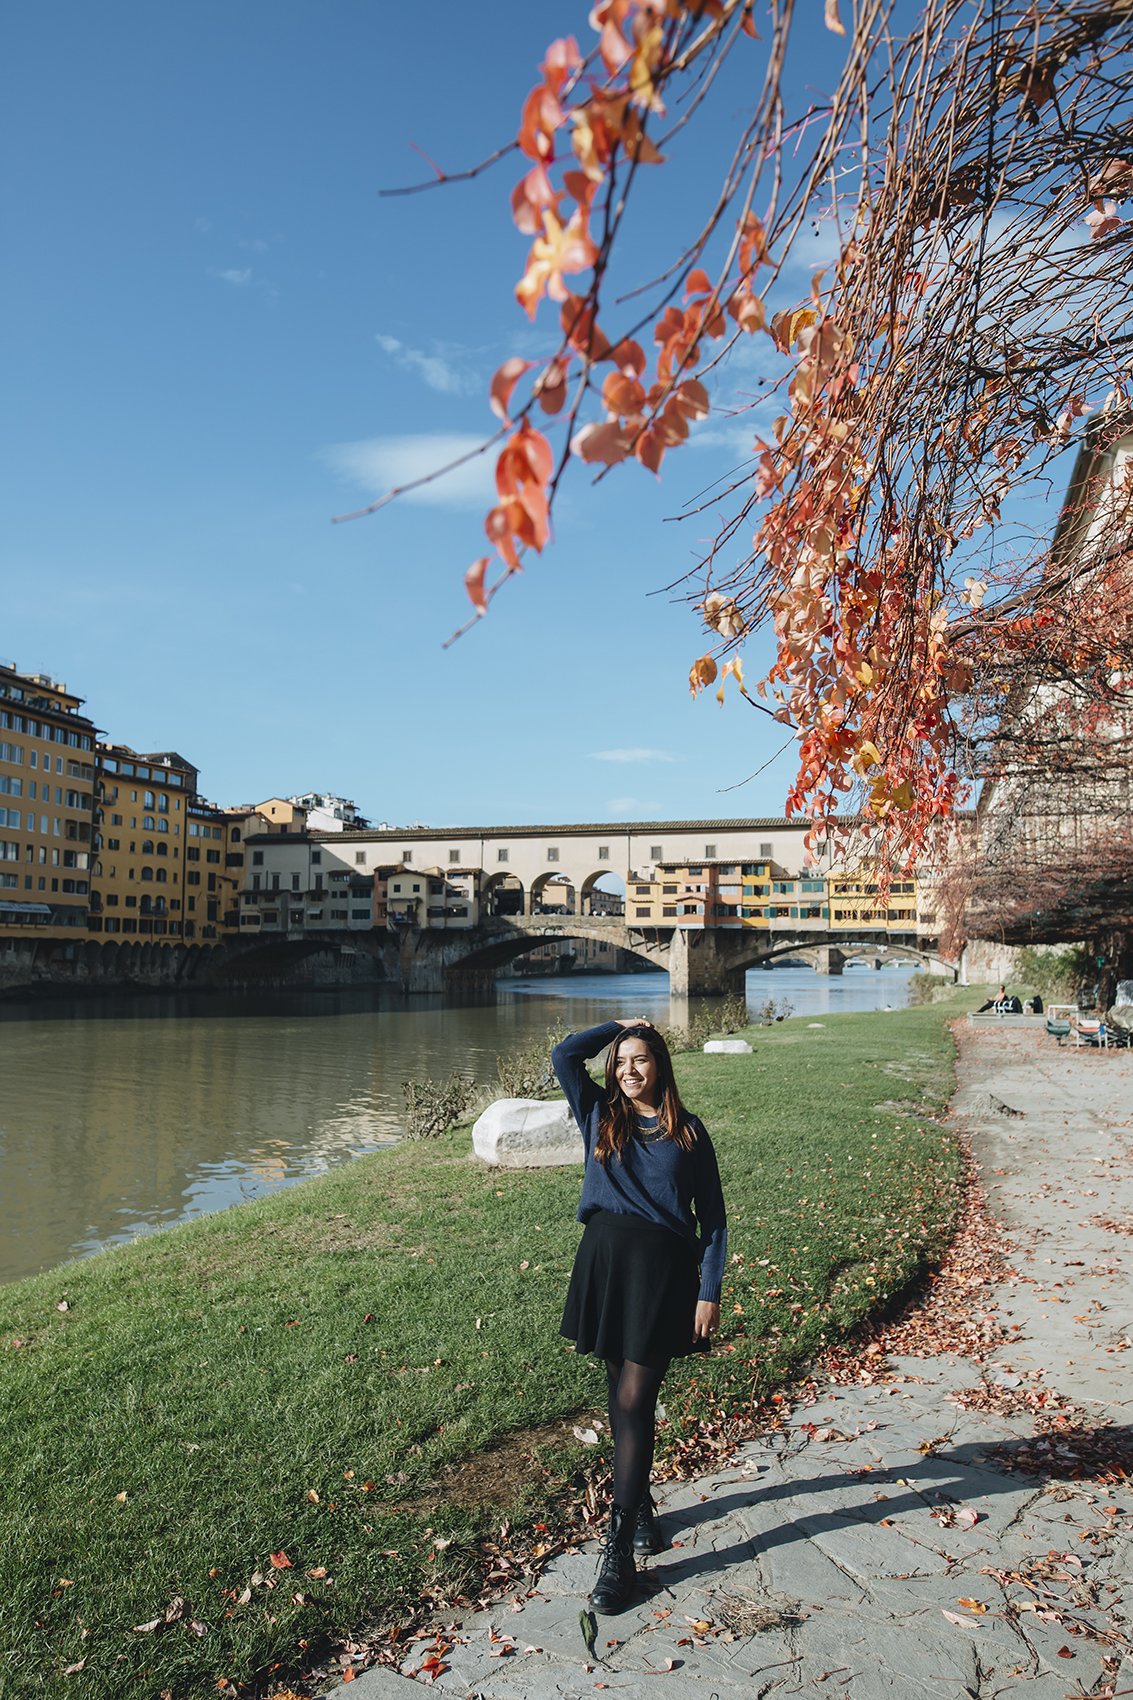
(1113, 953)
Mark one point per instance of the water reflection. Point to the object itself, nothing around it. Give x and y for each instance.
(123, 1115)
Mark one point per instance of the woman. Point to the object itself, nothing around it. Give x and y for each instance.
(637, 1297)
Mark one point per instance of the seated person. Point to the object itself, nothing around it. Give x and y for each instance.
(995, 1003)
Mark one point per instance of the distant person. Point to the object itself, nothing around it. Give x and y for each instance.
(1036, 1004)
(996, 1003)
(645, 1287)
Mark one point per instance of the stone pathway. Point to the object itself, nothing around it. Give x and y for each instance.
(882, 1545)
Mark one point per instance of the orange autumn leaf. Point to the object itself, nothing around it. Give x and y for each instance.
(561, 62)
(529, 197)
(497, 527)
(581, 329)
(606, 443)
(503, 382)
(561, 248)
(525, 458)
(541, 117)
(280, 1560)
(701, 674)
(474, 584)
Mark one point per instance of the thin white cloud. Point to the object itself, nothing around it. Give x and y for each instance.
(238, 276)
(630, 808)
(629, 756)
(377, 464)
(440, 370)
(253, 245)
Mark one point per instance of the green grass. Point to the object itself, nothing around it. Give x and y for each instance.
(292, 1375)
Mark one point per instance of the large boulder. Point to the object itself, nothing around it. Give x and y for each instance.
(525, 1133)
(738, 1047)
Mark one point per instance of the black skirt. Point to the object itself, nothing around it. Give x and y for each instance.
(633, 1291)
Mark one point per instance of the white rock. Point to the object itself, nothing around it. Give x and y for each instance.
(526, 1133)
(738, 1047)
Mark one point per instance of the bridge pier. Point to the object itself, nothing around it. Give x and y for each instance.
(698, 969)
(828, 959)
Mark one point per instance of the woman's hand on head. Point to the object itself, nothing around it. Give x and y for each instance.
(634, 1021)
(707, 1320)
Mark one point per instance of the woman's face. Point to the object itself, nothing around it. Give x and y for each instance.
(636, 1071)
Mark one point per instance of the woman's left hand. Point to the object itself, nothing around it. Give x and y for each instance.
(707, 1320)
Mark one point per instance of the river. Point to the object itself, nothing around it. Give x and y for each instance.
(128, 1114)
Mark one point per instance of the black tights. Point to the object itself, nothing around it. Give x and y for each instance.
(633, 1390)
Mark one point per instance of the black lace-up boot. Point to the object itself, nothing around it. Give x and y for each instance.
(646, 1533)
(616, 1571)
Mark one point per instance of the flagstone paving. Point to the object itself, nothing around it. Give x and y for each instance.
(887, 1537)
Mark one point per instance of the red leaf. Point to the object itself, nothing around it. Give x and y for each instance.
(280, 1560)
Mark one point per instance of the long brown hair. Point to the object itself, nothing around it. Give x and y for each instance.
(618, 1122)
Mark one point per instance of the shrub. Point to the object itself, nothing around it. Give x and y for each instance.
(528, 1073)
(434, 1106)
(1056, 974)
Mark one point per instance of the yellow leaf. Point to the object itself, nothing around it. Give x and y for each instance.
(800, 321)
(833, 21)
(702, 673)
(972, 1605)
(864, 674)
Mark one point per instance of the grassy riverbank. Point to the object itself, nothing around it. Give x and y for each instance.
(293, 1377)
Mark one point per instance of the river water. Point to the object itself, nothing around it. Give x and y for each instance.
(128, 1114)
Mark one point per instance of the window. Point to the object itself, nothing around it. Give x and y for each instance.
(603, 852)
(454, 856)
(710, 852)
(316, 856)
(501, 855)
(643, 914)
(553, 853)
(766, 851)
(655, 852)
(360, 858)
(669, 909)
(257, 858)
(295, 882)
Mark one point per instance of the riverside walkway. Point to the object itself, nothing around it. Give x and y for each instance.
(947, 1514)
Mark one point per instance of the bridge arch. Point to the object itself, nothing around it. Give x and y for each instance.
(602, 892)
(553, 894)
(504, 894)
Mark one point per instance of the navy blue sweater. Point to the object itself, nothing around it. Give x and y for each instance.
(655, 1179)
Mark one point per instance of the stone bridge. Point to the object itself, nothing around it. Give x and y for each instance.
(700, 961)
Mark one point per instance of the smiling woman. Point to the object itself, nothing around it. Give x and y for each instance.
(645, 1288)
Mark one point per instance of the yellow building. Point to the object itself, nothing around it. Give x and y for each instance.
(214, 870)
(856, 901)
(141, 836)
(770, 896)
(688, 894)
(47, 780)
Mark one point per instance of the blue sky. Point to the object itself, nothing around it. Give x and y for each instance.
(218, 336)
